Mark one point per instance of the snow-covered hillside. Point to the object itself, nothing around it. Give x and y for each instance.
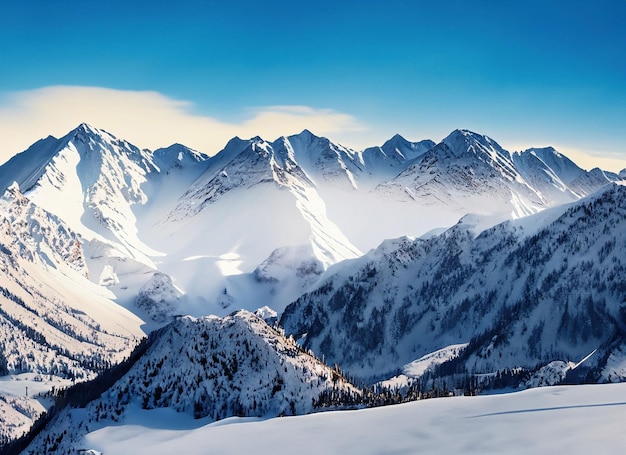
(568, 420)
(54, 323)
(290, 204)
(524, 293)
(208, 368)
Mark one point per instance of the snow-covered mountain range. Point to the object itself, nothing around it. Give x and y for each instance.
(102, 242)
(523, 294)
(210, 222)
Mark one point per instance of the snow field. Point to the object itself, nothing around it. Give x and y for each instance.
(556, 420)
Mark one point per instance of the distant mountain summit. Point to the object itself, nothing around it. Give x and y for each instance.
(473, 173)
(393, 156)
(467, 171)
(408, 150)
(89, 178)
(177, 156)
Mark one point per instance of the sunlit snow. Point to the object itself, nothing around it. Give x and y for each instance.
(574, 419)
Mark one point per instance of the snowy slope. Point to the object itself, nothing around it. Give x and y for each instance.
(556, 163)
(557, 178)
(253, 198)
(549, 172)
(54, 323)
(110, 193)
(592, 180)
(276, 168)
(544, 288)
(208, 368)
(27, 167)
(91, 180)
(568, 420)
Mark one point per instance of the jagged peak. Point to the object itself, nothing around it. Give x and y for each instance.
(462, 140)
(465, 133)
(542, 152)
(237, 143)
(178, 145)
(85, 133)
(84, 126)
(14, 188)
(395, 140)
(89, 130)
(13, 193)
(281, 141)
(178, 148)
(306, 133)
(307, 136)
(548, 148)
(244, 315)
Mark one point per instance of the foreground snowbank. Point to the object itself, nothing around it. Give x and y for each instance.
(565, 419)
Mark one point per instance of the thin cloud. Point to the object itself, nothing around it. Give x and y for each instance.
(149, 119)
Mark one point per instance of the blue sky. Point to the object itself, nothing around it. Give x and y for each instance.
(528, 73)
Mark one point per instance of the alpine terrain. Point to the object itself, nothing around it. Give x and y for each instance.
(206, 287)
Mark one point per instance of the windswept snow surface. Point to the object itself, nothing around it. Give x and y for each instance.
(564, 419)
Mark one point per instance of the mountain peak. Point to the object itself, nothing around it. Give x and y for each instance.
(85, 128)
(84, 132)
(12, 191)
(543, 150)
(462, 141)
(464, 133)
(177, 156)
(396, 140)
(306, 132)
(308, 136)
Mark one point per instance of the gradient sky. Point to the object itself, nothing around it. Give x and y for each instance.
(526, 73)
